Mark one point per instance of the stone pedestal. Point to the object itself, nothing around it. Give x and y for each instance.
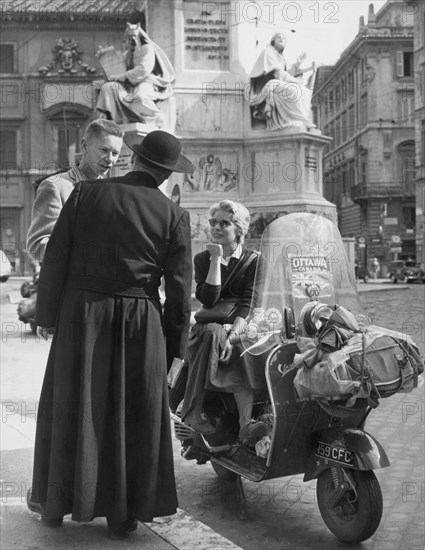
(272, 173)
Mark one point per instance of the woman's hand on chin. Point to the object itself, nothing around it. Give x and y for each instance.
(216, 250)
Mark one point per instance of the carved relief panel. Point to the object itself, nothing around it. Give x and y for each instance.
(214, 172)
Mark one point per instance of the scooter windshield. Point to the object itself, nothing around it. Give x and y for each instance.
(302, 260)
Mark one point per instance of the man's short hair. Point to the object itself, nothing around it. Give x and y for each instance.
(102, 126)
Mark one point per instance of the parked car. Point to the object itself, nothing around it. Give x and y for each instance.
(407, 271)
(5, 267)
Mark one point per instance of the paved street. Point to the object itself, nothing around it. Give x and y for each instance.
(283, 513)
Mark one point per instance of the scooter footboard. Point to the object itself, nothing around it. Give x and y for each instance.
(348, 447)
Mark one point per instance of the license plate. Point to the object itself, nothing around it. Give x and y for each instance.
(336, 454)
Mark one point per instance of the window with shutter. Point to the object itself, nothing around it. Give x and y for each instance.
(404, 63)
(406, 105)
(331, 101)
(363, 111)
(68, 129)
(408, 169)
(423, 142)
(407, 63)
(344, 126)
(363, 169)
(406, 153)
(399, 63)
(351, 82)
(7, 61)
(351, 129)
(422, 90)
(337, 131)
(8, 149)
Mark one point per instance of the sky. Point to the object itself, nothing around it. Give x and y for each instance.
(323, 29)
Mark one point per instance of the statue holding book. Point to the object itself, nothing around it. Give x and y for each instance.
(136, 79)
(277, 95)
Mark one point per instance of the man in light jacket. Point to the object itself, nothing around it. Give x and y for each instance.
(101, 146)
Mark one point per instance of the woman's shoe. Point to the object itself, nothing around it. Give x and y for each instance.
(37, 508)
(252, 432)
(120, 531)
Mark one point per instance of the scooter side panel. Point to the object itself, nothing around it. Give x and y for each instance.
(294, 420)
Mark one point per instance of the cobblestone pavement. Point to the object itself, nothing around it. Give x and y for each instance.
(282, 513)
(400, 308)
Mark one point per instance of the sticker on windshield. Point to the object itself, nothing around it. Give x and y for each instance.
(311, 277)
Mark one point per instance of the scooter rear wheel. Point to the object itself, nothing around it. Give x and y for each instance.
(223, 473)
(358, 514)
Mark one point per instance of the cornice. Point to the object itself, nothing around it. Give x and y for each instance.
(104, 23)
(359, 42)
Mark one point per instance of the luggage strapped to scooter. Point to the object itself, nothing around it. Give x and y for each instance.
(389, 362)
(370, 363)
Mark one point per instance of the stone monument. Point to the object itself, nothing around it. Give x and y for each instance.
(236, 154)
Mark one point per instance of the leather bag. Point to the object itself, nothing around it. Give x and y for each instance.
(224, 310)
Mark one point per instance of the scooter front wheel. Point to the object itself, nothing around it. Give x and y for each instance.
(355, 515)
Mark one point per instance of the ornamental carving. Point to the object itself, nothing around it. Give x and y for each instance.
(67, 59)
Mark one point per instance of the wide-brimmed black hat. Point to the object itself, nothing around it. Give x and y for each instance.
(161, 149)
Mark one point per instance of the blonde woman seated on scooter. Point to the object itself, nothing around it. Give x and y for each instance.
(213, 353)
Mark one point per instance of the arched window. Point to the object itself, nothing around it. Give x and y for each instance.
(68, 125)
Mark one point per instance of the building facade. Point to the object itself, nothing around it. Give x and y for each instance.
(417, 10)
(48, 67)
(365, 102)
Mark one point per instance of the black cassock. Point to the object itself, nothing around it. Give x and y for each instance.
(103, 442)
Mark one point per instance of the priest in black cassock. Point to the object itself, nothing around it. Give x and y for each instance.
(103, 442)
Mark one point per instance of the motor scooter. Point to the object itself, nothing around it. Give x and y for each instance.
(302, 262)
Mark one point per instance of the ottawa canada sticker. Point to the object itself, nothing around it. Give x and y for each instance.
(301, 264)
(311, 276)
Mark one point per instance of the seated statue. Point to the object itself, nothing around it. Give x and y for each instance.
(146, 78)
(276, 95)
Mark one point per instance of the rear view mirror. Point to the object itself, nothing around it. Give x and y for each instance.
(289, 320)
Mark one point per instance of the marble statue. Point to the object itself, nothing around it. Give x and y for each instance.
(137, 79)
(276, 95)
